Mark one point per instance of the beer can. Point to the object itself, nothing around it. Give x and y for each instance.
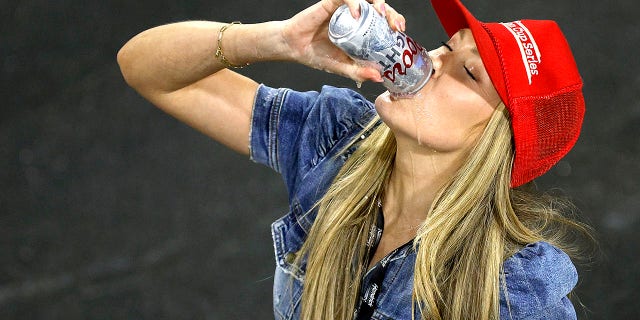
(405, 66)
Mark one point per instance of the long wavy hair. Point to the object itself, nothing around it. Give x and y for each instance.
(475, 222)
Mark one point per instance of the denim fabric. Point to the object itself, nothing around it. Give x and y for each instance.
(538, 278)
(300, 135)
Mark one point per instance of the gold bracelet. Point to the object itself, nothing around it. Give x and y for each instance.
(220, 54)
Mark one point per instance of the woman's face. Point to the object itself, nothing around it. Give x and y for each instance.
(450, 112)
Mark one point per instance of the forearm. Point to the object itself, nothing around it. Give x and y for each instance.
(173, 56)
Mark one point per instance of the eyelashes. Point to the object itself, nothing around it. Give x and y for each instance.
(470, 74)
(446, 45)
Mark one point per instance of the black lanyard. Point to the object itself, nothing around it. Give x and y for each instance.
(369, 295)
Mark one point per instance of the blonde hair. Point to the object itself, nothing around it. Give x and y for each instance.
(474, 223)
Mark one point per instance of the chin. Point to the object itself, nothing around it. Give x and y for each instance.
(388, 100)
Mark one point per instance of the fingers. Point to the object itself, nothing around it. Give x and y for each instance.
(395, 19)
(354, 8)
(380, 6)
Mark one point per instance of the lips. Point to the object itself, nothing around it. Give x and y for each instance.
(395, 96)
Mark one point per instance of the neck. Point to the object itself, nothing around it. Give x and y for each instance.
(418, 175)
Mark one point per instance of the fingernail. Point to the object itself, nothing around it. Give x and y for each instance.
(356, 13)
(404, 26)
(398, 26)
(383, 10)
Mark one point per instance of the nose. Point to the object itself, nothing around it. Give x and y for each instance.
(437, 61)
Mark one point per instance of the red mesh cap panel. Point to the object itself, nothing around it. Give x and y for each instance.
(548, 129)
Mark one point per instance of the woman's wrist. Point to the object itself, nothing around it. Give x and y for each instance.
(249, 43)
(222, 58)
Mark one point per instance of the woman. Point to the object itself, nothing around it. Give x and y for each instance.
(403, 208)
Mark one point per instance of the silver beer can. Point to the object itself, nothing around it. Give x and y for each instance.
(405, 66)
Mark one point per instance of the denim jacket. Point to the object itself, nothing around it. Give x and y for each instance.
(300, 135)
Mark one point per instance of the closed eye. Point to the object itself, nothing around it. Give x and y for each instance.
(465, 67)
(470, 74)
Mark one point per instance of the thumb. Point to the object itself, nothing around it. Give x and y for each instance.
(355, 70)
(362, 72)
(368, 73)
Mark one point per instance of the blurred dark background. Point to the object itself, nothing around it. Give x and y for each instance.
(110, 209)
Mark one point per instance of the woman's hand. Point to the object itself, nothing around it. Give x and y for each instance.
(307, 39)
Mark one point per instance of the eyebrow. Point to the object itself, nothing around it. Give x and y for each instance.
(475, 49)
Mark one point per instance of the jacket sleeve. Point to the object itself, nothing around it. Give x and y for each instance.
(291, 131)
(537, 281)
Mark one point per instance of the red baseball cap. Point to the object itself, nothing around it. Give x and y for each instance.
(533, 70)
